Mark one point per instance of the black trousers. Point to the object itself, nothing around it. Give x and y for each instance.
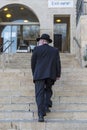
(43, 93)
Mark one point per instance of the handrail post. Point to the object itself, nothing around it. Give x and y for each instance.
(78, 50)
(5, 59)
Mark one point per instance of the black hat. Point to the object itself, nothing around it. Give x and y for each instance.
(46, 37)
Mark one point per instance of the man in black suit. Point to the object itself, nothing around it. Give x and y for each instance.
(46, 69)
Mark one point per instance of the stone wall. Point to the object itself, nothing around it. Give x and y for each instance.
(81, 36)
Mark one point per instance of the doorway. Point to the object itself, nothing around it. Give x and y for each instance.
(58, 41)
(62, 33)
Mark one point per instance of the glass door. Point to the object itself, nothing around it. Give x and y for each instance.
(9, 33)
(23, 36)
(26, 36)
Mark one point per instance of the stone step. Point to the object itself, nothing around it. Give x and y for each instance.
(77, 83)
(16, 116)
(32, 107)
(27, 84)
(57, 92)
(66, 73)
(28, 55)
(67, 87)
(66, 116)
(69, 107)
(72, 99)
(18, 110)
(31, 99)
(43, 126)
(70, 93)
(59, 104)
(15, 107)
(22, 60)
(29, 87)
(17, 93)
(16, 100)
(62, 92)
(27, 76)
(29, 80)
(50, 117)
(62, 107)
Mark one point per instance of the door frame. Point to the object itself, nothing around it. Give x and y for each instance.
(65, 19)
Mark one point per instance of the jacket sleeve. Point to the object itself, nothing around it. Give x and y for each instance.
(58, 65)
(33, 61)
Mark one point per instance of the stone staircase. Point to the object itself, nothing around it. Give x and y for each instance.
(18, 110)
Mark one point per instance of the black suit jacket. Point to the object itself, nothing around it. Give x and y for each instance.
(45, 62)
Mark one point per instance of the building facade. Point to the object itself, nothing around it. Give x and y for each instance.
(80, 38)
(22, 21)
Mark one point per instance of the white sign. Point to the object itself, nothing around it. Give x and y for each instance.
(60, 4)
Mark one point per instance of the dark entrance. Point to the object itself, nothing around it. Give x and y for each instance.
(58, 41)
(62, 33)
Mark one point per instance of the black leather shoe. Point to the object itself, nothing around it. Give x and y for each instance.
(50, 103)
(41, 118)
(47, 110)
(44, 114)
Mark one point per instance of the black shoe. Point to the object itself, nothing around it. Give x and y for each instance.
(41, 118)
(50, 103)
(47, 110)
(44, 114)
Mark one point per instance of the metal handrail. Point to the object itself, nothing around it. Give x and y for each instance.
(3, 44)
(2, 54)
(78, 51)
(77, 42)
(7, 46)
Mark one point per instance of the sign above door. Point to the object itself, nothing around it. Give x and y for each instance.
(60, 4)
